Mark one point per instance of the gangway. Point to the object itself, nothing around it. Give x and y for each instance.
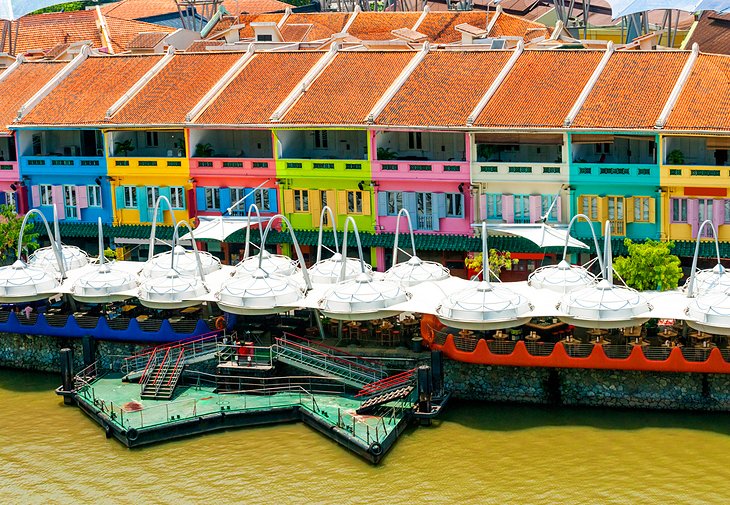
(201, 348)
(320, 359)
(160, 380)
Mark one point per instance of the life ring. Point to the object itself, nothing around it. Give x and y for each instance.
(220, 323)
(132, 434)
(376, 449)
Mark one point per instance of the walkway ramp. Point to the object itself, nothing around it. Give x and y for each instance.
(326, 361)
(372, 403)
(199, 349)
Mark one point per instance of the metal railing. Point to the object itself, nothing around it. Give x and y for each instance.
(259, 355)
(194, 347)
(391, 382)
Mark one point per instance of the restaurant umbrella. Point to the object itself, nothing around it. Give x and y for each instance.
(71, 256)
(328, 271)
(271, 263)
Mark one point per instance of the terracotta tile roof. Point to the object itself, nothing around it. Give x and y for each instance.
(256, 92)
(538, 92)
(440, 26)
(349, 87)
(44, 31)
(200, 45)
(508, 25)
(705, 99)
(20, 85)
(295, 33)
(378, 25)
(87, 93)
(444, 88)
(324, 24)
(176, 89)
(247, 19)
(146, 40)
(142, 9)
(632, 90)
(712, 33)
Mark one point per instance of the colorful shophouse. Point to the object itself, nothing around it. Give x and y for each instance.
(61, 141)
(18, 84)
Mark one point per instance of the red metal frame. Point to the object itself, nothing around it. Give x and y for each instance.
(335, 358)
(386, 383)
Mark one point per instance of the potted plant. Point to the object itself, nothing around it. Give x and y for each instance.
(675, 157)
(384, 153)
(179, 144)
(123, 148)
(498, 261)
(204, 150)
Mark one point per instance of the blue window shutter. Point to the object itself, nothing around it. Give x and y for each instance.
(440, 207)
(164, 191)
(225, 198)
(409, 203)
(144, 213)
(2, 197)
(273, 203)
(200, 198)
(119, 196)
(382, 203)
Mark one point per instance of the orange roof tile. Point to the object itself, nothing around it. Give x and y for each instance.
(87, 93)
(349, 87)
(632, 90)
(705, 99)
(254, 6)
(142, 9)
(20, 85)
(44, 31)
(440, 26)
(444, 88)
(247, 19)
(325, 24)
(378, 25)
(538, 92)
(146, 40)
(200, 45)
(176, 89)
(295, 33)
(256, 92)
(508, 25)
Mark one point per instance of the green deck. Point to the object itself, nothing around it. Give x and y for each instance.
(110, 395)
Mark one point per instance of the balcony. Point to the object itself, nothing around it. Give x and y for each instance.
(232, 166)
(702, 175)
(434, 170)
(8, 171)
(148, 166)
(79, 165)
(489, 171)
(615, 173)
(355, 169)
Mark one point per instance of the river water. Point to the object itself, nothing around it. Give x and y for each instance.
(478, 453)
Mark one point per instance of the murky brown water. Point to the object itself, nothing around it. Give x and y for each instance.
(477, 454)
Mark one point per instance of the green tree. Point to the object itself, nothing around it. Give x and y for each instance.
(10, 223)
(649, 266)
(498, 261)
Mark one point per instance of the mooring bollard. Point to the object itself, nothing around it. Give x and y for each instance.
(88, 344)
(67, 374)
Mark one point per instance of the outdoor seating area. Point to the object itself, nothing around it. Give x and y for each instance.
(388, 332)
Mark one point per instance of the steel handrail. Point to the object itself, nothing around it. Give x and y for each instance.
(386, 383)
(336, 349)
(176, 371)
(348, 370)
(286, 343)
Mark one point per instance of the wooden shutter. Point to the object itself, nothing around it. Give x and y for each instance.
(382, 203)
(35, 195)
(341, 203)
(693, 215)
(508, 208)
(535, 202)
(142, 204)
(200, 198)
(164, 191)
(273, 203)
(629, 213)
(58, 201)
(315, 207)
(558, 209)
(652, 210)
(288, 201)
(366, 204)
(82, 197)
(718, 212)
(224, 197)
(439, 205)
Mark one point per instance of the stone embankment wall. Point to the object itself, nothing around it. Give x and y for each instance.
(578, 387)
(575, 387)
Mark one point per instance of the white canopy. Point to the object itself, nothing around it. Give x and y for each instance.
(537, 233)
(621, 8)
(220, 228)
(16, 9)
(720, 6)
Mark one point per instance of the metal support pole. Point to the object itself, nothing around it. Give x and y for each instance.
(67, 377)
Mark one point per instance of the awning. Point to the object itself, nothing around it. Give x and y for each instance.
(220, 228)
(538, 233)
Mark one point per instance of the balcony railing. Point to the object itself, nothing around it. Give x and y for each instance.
(490, 171)
(237, 165)
(425, 222)
(434, 169)
(324, 167)
(62, 162)
(621, 172)
(700, 172)
(147, 164)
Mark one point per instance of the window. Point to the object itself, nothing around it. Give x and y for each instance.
(46, 193)
(354, 202)
(551, 212)
(237, 195)
(603, 148)
(588, 205)
(93, 195)
(395, 202)
(321, 140)
(616, 208)
(301, 200)
(212, 198)
(454, 205)
(69, 196)
(261, 199)
(264, 38)
(679, 210)
(727, 211)
(494, 206)
(522, 208)
(415, 140)
(10, 199)
(130, 197)
(152, 139)
(37, 142)
(424, 207)
(153, 193)
(641, 209)
(177, 197)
